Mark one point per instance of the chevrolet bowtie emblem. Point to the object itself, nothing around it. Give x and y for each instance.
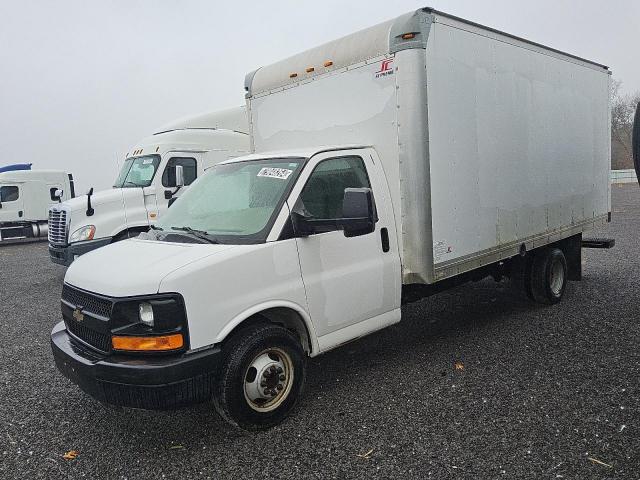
(78, 316)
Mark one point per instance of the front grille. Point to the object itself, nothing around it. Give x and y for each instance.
(57, 227)
(89, 302)
(90, 330)
(101, 341)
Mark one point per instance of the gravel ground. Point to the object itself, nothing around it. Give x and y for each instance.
(544, 392)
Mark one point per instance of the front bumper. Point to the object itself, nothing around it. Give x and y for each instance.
(153, 383)
(66, 255)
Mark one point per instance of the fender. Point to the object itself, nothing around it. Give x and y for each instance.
(261, 307)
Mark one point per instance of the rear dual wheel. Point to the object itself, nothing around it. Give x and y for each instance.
(546, 278)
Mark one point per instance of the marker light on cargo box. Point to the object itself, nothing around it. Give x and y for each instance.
(293, 75)
(148, 344)
(328, 63)
(310, 69)
(408, 36)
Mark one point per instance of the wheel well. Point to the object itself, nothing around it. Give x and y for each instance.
(129, 233)
(283, 316)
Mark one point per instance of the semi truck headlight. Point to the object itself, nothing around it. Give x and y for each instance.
(82, 234)
(146, 313)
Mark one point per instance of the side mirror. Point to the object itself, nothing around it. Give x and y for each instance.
(172, 200)
(58, 194)
(179, 176)
(359, 214)
(301, 226)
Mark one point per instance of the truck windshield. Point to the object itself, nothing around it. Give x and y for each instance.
(235, 202)
(137, 172)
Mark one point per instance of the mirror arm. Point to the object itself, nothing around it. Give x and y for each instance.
(90, 210)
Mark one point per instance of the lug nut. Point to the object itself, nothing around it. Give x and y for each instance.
(279, 387)
(281, 377)
(263, 383)
(272, 368)
(279, 369)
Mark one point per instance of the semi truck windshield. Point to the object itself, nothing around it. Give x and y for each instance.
(235, 202)
(137, 172)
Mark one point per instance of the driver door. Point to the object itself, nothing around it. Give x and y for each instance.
(190, 162)
(11, 203)
(352, 284)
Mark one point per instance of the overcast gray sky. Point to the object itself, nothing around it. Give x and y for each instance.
(81, 82)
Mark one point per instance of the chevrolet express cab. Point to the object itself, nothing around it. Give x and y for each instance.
(158, 169)
(415, 155)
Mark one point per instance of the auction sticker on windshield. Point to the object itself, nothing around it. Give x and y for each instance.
(271, 172)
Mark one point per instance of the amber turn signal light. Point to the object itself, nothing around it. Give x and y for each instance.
(408, 36)
(148, 344)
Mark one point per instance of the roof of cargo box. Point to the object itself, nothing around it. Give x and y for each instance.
(410, 30)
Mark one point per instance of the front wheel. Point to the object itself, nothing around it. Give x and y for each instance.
(261, 378)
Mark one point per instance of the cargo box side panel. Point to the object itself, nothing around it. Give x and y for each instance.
(518, 146)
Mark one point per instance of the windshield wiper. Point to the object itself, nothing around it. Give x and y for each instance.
(153, 227)
(201, 234)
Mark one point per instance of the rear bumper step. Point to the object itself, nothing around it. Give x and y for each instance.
(598, 243)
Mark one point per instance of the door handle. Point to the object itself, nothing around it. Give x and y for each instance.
(384, 236)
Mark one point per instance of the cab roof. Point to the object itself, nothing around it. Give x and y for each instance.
(22, 176)
(294, 153)
(234, 119)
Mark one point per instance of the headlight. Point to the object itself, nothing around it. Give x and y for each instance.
(146, 313)
(147, 324)
(83, 233)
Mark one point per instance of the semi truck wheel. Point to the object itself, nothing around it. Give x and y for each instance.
(548, 276)
(261, 377)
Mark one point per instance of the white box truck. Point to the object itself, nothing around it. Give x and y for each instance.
(403, 159)
(25, 198)
(158, 169)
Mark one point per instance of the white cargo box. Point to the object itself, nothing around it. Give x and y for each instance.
(488, 141)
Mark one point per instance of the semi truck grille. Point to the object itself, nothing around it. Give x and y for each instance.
(57, 227)
(89, 302)
(98, 340)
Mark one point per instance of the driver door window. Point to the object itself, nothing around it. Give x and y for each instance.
(189, 169)
(9, 194)
(322, 196)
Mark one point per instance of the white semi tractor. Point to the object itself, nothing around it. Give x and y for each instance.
(415, 155)
(158, 169)
(25, 198)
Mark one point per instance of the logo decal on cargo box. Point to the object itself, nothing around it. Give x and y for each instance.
(386, 68)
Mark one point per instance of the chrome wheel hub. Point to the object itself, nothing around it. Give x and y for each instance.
(557, 278)
(268, 380)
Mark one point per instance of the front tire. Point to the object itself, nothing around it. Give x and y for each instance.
(261, 378)
(548, 276)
